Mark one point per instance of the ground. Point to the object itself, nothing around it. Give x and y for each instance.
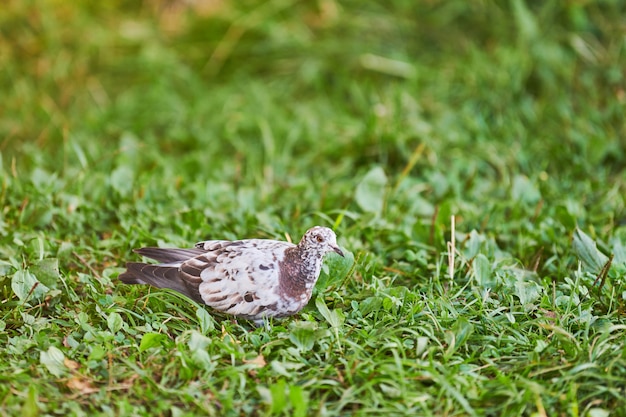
(469, 155)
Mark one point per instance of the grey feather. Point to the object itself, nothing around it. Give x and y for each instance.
(158, 276)
(169, 255)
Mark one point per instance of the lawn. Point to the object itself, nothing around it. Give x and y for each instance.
(470, 156)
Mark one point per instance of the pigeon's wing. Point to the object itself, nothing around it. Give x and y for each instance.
(239, 278)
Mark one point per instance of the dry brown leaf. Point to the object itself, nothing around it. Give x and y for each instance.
(81, 385)
(70, 364)
(259, 361)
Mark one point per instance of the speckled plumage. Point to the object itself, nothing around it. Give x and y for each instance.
(253, 278)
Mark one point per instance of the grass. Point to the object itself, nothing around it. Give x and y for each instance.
(149, 123)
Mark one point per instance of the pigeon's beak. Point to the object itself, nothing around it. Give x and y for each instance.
(338, 251)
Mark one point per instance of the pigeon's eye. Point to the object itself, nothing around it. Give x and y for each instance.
(319, 238)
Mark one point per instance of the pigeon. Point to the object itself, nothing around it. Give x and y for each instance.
(253, 279)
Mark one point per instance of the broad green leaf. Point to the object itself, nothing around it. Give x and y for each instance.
(322, 308)
(598, 412)
(463, 330)
(303, 335)
(450, 339)
(586, 250)
(281, 368)
(150, 340)
(30, 407)
(335, 318)
(42, 179)
(422, 344)
(473, 244)
(524, 190)
(47, 272)
(115, 322)
(527, 291)
(264, 393)
(388, 303)
(97, 352)
(53, 359)
(335, 268)
(279, 399)
(198, 344)
(483, 275)
(541, 345)
(6, 267)
(198, 341)
(370, 304)
(370, 192)
(122, 179)
(207, 324)
(390, 390)
(563, 215)
(299, 400)
(25, 285)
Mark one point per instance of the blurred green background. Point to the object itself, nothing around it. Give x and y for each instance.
(291, 97)
(363, 81)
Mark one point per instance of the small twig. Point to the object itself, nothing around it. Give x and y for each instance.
(394, 270)
(84, 262)
(417, 153)
(32, 289)
(603, 273)
(451, 248)
(537, 259)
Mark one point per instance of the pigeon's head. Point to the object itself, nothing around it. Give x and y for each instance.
(321, 239)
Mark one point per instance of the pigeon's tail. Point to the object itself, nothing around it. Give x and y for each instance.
(169, 255)
(160, 276)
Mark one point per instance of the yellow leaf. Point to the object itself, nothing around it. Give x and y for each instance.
(70, 364)
(259, 361)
